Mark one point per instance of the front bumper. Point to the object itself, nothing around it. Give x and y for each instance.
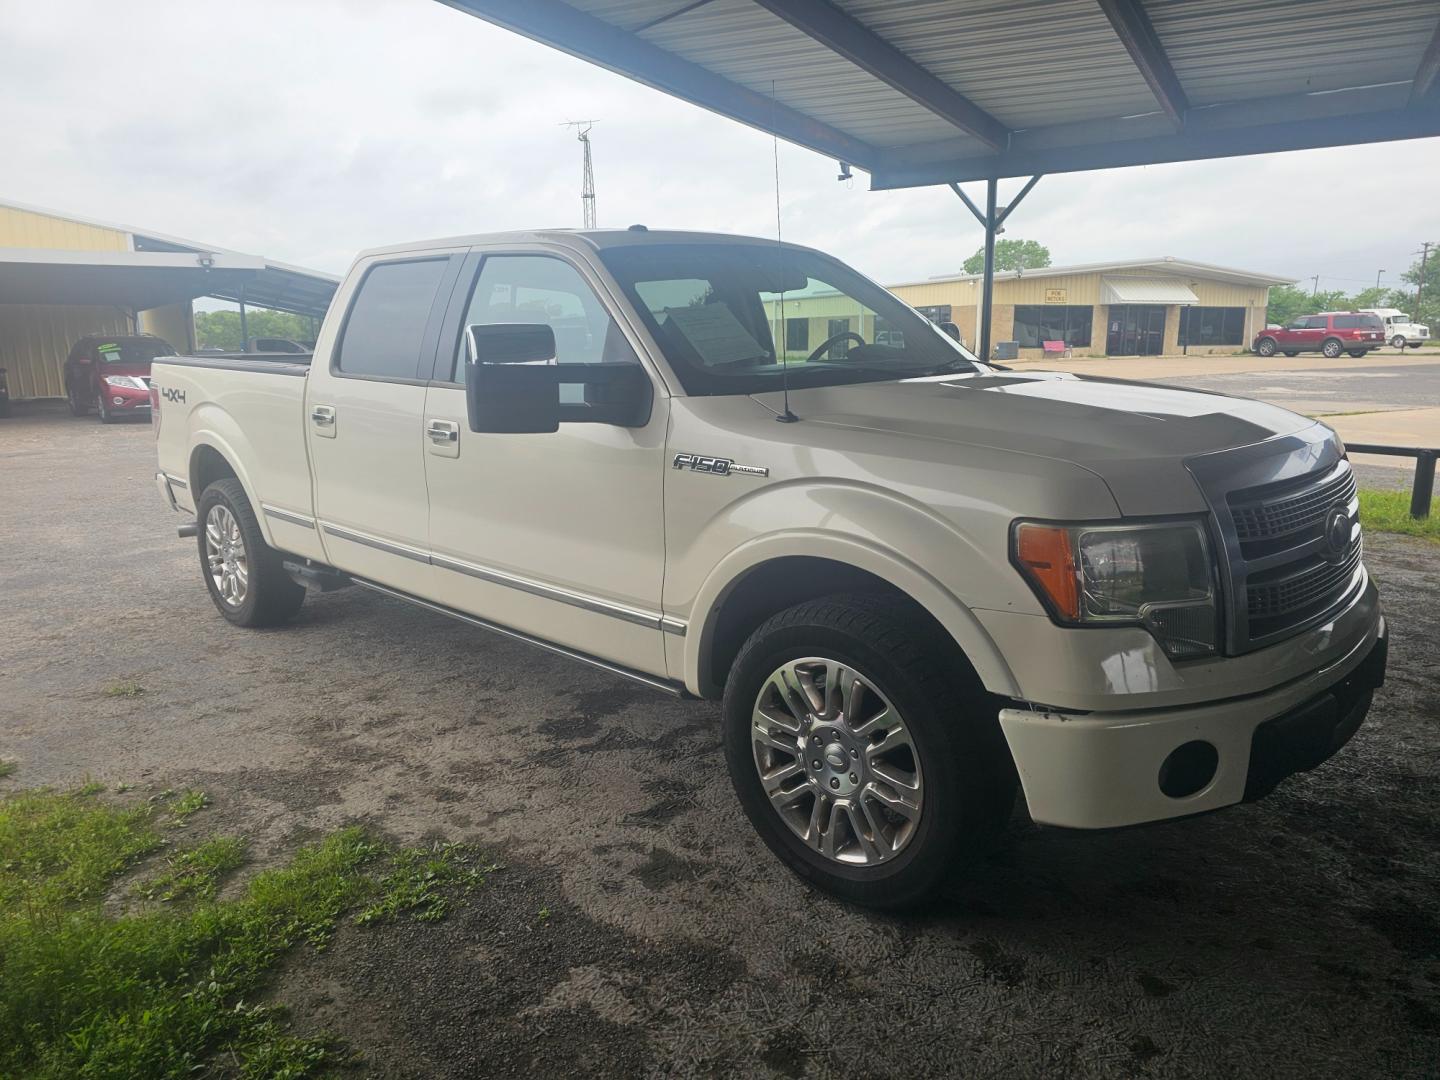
(1098, 771)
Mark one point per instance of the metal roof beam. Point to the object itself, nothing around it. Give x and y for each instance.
(1296, 122)
(565, 28)
(1427, 75)
(1141, 41)
(841, 34)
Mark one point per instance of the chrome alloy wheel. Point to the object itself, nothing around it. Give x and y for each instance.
(836, 761)
(225, 554)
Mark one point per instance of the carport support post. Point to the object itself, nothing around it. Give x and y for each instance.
(244, 328)
(991, 219)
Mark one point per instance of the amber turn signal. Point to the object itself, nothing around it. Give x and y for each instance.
(1047, 557)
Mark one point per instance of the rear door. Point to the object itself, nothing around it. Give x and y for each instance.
(363, 416)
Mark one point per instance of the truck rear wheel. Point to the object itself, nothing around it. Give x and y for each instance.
(243, 573)
(866, 761)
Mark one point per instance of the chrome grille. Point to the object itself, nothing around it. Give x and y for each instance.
(1299, 593)
(1289, 576)
(1267, 518)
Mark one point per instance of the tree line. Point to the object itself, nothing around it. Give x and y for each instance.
(1288, 302)
(221, 329)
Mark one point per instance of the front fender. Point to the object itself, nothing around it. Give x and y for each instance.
(947, 609)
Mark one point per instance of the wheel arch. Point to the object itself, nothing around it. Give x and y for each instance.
(213, 457)
(769, 575)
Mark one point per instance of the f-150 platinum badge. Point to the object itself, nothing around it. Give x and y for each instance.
(716, 466)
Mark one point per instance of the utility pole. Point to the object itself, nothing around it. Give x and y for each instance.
(1377, 279)
(1424, 254)
(587, 179)
(1314, 286)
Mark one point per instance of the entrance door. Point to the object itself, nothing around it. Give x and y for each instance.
(1135, 330)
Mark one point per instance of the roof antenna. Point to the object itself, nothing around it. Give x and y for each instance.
(786, 417)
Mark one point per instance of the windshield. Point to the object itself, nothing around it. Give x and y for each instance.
(737, 318)
(131, 352)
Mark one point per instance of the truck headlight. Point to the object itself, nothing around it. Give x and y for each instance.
(1158, 576)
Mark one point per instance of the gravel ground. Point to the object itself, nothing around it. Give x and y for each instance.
(1299, 936)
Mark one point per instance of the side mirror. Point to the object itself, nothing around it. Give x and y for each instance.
(512, 384)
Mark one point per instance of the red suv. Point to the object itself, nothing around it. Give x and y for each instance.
(112, 375)
(1330, 332)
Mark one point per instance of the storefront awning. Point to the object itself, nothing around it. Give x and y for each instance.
(1145, 290)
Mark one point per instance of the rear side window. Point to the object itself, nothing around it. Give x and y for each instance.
(1347, 322)
(1371, 322)
(387, 321)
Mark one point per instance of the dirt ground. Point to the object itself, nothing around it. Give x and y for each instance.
(639, 927)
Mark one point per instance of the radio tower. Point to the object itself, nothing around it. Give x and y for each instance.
(587, 180)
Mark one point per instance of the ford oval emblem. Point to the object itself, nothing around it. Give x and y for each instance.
(1337, 531)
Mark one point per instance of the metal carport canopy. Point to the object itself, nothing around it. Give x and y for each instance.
(933, 91)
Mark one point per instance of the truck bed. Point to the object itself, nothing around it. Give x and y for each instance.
(249, 409)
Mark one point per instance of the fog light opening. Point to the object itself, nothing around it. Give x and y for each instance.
(117, 401)
(1189, 768)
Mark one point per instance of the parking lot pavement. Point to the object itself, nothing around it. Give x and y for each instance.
(1299, 936)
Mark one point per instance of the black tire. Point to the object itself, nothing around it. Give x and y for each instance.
(78, 405)
(4, 408)
(1265, 346)
(272, 597)
(1398, 342)
(1292, 352)
(969, 778)
(1357, 353)
(1332, 348)
(106, 417)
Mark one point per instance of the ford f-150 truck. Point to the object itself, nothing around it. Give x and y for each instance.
(737, 469)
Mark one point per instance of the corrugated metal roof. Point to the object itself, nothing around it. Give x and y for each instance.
(925, 91)
(1146, 290)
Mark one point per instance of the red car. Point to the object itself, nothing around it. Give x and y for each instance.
(1330, 332)
(112, 375)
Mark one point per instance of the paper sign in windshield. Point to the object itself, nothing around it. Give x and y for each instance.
(715, 333)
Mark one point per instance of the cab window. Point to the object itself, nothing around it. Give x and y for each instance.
(386, 325)
(543, 289)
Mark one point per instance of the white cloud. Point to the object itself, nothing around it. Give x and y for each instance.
(308, 130)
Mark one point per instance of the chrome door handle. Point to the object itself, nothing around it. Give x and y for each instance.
(443, 431)
(324, 415)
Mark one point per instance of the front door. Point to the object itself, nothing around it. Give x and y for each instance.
(559, 535)
(363, 417)
(1135, 330)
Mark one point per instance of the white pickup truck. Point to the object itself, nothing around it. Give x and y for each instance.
(730, 468)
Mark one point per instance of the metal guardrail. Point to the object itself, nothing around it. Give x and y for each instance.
(1423, 490)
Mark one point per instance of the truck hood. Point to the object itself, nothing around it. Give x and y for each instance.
(1135, 436)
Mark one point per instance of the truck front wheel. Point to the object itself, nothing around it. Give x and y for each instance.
(866, 761)
(243, 573)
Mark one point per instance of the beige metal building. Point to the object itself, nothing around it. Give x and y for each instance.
(63, 277)
(1141, 307)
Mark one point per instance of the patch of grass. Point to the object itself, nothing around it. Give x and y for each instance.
(196, 873)
(7, 768)
(1389, 511)
(127, 688)
(169, 991)
(422, 881)
(190, 801)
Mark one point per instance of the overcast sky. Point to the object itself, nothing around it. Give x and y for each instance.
(306, 130)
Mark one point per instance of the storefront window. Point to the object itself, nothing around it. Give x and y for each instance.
(1212, 326)
(1038, 323)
